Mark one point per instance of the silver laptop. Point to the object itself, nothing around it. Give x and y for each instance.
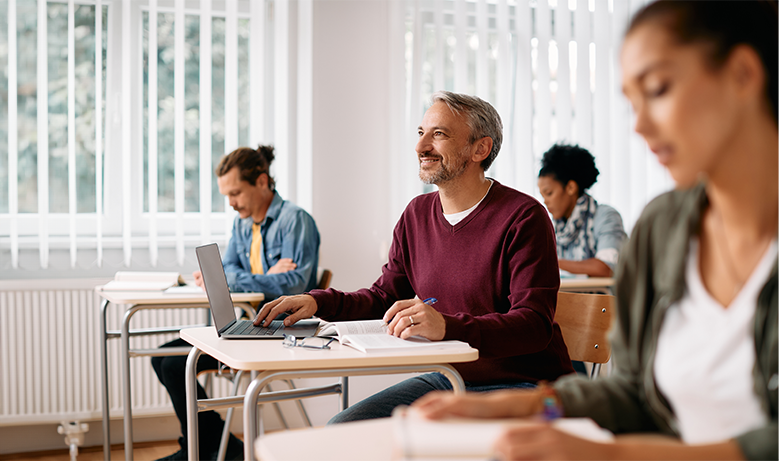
(223, 312)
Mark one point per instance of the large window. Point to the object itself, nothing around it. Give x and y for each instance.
(550, 68)
(71, 59)
(162, 100)
(115, 117)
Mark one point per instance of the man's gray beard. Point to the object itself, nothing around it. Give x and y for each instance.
(444, 174)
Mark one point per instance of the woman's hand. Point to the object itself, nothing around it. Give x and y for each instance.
(542, 441)
(499, 404)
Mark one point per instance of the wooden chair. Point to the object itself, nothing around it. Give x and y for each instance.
(585, 320)
(324, 276)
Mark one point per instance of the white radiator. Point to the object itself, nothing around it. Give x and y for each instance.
(50, 354)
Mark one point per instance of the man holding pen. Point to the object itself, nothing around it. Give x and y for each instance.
(482, 257)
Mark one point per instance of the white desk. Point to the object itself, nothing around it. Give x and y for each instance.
(381, 440)
(360, 441)
(137, 301)
(588, 284)
(276, 362)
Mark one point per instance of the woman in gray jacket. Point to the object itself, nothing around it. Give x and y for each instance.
(695, 341)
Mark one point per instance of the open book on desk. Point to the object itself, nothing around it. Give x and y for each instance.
(143, 281)
(370, 336)
(415, 437)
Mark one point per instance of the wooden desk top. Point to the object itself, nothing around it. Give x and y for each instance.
(269, 354)
(160, 297)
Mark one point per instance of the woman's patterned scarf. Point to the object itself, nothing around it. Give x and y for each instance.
(576, 235)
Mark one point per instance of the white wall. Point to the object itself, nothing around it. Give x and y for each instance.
(351, 152)
(353, 156)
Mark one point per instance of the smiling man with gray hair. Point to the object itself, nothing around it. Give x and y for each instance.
(484, 251)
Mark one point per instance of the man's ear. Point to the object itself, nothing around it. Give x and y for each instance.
(483, 149)
(262, 181)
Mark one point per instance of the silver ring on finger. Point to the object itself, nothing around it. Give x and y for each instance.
(411, 319)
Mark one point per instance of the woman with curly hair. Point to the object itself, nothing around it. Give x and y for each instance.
(589, 235)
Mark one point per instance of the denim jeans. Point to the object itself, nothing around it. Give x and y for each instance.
(381, 404)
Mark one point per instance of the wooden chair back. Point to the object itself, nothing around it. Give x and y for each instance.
(324, 277)
(585, 320)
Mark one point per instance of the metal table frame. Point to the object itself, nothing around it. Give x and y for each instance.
(126, 353)
(253, 399)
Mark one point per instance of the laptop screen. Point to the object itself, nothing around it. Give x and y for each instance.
(215, 282)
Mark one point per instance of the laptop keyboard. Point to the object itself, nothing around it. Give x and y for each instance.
(246, 327)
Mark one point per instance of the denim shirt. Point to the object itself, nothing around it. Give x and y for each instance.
(287, 232)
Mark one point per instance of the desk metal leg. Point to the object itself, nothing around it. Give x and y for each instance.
(250, 417)
(126, 391)
(191, 386)
(125, 357)
(458, 385)
(104, 363)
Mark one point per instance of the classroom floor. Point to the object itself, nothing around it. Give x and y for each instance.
(143, 451)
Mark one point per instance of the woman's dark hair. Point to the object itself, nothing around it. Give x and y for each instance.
(251, 162)
(723, 25)
(566, 163)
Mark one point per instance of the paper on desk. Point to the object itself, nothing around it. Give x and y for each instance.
(459, 438)
(184, 290)
(568, 275)
(143, 281)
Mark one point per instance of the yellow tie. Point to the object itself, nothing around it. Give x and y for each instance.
(255, 254)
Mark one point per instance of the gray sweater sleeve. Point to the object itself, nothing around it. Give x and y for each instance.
(609, 235)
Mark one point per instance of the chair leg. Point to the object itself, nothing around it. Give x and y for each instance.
(595, 370)
(208, 384)
(229, 418)
(301, 408)
(344, 392)
(278, 410)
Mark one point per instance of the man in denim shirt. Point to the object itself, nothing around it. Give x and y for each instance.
(274, 249)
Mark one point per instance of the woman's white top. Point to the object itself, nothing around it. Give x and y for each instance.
(705, 356)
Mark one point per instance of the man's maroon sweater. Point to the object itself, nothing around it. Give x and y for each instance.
(495, 276)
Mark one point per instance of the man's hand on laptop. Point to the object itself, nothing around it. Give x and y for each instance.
(298, 307)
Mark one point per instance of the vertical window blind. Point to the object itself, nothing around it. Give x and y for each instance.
(115, 123)
(551, 69)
